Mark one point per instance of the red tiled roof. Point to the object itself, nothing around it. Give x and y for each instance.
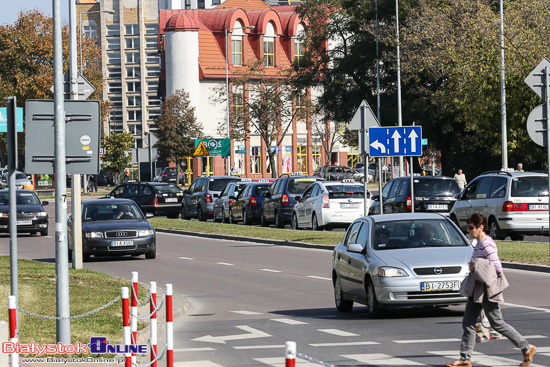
(244, 4)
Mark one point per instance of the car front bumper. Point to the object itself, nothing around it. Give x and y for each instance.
(104, 246)
(35, 225)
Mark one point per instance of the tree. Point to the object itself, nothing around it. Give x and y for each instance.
(116, 158)
(177, 128)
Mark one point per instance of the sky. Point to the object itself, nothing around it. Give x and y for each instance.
(11, 9)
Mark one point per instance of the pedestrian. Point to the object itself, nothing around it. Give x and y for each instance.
(93, 183)
(520, 167)
(486, 267)
(460, 179)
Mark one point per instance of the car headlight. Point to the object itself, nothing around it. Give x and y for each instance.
(145, 232)
(41, 214)
(94, 235)
(386, 271)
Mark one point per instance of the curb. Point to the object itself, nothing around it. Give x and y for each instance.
(509, 265)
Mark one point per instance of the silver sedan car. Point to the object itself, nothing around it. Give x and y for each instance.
(400, 260)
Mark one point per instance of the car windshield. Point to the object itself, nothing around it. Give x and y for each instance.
(22, 198)
(108, 211)
(345, 191)
(219, 184)
(20, 176)
(168, 189)
(533, 186)
(430, 188)
(298, 185)
(403, 234)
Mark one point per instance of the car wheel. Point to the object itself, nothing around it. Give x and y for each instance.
(184, 213)
(278, 221)
(517, 237)
(263, 221)
(294, 222)
(494, 230)
(231, 220)
(200, 214)
(224, 219)
(373, 308)
(246, 221)
(342, 305)
(315, 224)
(151, 255)
(44, 232)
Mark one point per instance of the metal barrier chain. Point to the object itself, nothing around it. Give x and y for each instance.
(70, 317)
(156, 308)
(314, 360)
(146, 297)
(159, 356)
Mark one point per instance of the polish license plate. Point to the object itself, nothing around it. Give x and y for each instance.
(437, 207)
(349, 205)
(171, 200)
(452, 285)
(122, 243)
(538, 206)
(24, 222)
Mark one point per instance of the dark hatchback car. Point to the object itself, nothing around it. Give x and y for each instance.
(279, 202)
(198, 201)
(169, 175)
(433, 194)
(226, 197)
(152, 197)
(105, 179)
(247, 206)
(112, 228)
(31, 216)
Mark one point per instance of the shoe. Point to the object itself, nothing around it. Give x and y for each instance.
(528, 356)
(459, 363)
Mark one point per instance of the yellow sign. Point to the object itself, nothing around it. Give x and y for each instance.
(201, 150)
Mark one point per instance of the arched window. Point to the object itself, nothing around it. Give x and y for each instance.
(269, 46)
(237, 44)
(299, 44)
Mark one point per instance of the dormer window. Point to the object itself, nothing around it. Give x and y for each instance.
(237, 44)
(269, 46)
(299, 44)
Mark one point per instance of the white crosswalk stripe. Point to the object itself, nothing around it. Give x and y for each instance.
(290, 321)
(280, 362)
(196, 364)
(484, 359)
(338, 332)
(382, 360)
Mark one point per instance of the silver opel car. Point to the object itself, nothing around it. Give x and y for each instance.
(400, 260)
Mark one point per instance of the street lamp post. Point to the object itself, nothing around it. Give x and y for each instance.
(81, 28)
(227, 168)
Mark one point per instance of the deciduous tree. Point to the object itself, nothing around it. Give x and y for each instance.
(117, 155)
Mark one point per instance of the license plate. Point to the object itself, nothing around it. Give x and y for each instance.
(171, 200)
(349, 205)
(122, 243)
(24, 222)
(437, 207)
(538, 206)
(452, 285)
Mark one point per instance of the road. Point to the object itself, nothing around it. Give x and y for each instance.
(248, 299)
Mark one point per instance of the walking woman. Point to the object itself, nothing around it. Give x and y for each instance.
(487, 294)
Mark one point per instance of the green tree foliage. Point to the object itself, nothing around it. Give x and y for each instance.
(117, 157)
(177, 127)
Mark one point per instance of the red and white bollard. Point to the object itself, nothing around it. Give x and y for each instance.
(14, 333)
(153, 322)
(169, 328)
(134, 312)
(290, 352)
(126, 326)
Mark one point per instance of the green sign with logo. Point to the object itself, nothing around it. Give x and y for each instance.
(215, 147)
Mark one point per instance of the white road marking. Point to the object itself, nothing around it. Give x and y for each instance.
(382, 360)
(350, 344)
(186, 258)
(484, 359)
(280, 362)
(251, 333)
(413, 341)
(196, 364)
(527, 307)
(290, 321)
(337, 332)
(245, 347)
(222, 263)
(271, 270)
(247, 313)
(194, 350)
(316, 277)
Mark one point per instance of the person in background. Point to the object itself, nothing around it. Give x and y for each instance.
(460, 179)
(520, 167)
(486, 249)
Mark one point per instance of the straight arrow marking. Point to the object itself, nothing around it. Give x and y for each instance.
(251, 333)
(395, 138)
(412, 137)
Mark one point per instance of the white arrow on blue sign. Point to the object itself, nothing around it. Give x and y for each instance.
(395, 141)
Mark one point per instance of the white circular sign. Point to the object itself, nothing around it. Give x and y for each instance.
(85, 140)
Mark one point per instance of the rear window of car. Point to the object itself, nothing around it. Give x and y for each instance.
(20, 176)
(534, 186)
(168, 189)
(435, 188)
(299, 185)
(262, 190)
(219, 184)
(345, 191)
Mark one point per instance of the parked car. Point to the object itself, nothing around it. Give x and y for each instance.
(31, 215)
(429, 170)
(112, 228)
(21, 180)
(335, 173)
(382, 263)
(152, 197)
(431, 194)
(198, 200)
(247, 206)
(330, 204)
(514, 203)
(277, 206)
(226, 197)
(105, 179)
(169, 175)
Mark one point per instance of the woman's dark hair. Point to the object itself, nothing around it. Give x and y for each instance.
(477, 220)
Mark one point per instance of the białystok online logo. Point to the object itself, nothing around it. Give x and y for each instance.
(98, 345)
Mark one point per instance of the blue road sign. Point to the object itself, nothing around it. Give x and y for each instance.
(4, 120)
(395, 141)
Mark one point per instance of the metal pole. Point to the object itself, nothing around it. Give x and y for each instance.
(503, 92)
(80, 33)
(412, 185)
(151, 157)
(399, 114)
(365, 162)
(11, 104)
(227, 90)
(380, 173)
(61, 264)
(547, 100)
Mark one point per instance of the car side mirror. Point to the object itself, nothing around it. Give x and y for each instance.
(108, 195)
(44, 203)
(355, 247)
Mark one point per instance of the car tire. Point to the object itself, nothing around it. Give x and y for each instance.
(263, 221)
(44, 232)
(151, 255)
(294, 222)
(278, 221)
(231, 220)
(246, 221)
(342, 305)
(315, 224)
(494, 230)
(200, 214)
(184, 213)
(517, 237)
(224, 219)
(373, 308)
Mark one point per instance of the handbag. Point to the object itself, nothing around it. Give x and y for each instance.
(467, 286)
(484, 331)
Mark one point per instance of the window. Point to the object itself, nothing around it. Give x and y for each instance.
(301, 157)
(115, 116)
(269, 56)
(187, 4)
(236, 51)
(132, 43)
(298, 51)
(153, 86)
(113, 30)
(153, 71)
(255, 161)
(484, 189)
(316, 151)
(133, 72)
(135, 129)
(287, 159)
(134, 101)
(113, 43)
(498, 189)
(151, 42)
(153, 58)
(274, 150)
(154, 114)
(133, 86)
(341, 127)
(115, 87)
(114, 73)
(116, 101)
(90, 30)
(113, 58)
(151, 29)
(131, 29)
(153, 101)
(237, 106)
(134, 115)
(301, 110)
(132, 57)
(200, 4)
